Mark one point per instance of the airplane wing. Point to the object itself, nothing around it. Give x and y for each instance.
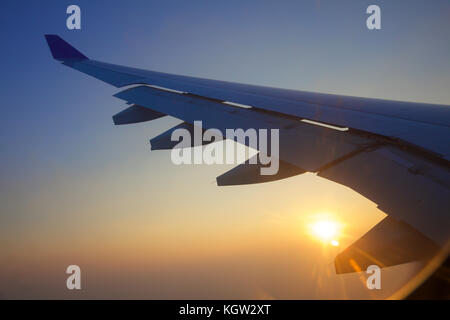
(397, 154)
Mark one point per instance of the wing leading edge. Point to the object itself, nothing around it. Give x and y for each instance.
(394, 153)
(407, 122)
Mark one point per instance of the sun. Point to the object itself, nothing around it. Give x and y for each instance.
(326, 230)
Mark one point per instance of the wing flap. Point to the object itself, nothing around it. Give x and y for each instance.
(390, 242)
(136, 114)
(164, 140)
(248, 173)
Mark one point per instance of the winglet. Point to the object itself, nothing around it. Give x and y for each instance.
(61, 50)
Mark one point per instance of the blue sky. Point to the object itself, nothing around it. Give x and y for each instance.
(57, 135)
(319, 46)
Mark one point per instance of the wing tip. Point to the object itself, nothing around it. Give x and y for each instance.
(61, 50)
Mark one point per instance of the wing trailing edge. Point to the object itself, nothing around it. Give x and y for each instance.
(390, 242)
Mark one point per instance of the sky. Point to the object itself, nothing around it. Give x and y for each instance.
(75, 189)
